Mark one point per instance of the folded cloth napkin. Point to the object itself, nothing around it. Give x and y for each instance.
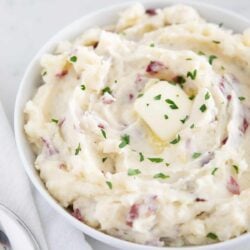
(50, 229)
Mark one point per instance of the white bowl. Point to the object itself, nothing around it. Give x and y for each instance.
(32, 79)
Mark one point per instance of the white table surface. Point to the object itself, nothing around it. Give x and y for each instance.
(27, 24)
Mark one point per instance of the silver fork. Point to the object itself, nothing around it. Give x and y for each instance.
(4, 240)
(12, 229)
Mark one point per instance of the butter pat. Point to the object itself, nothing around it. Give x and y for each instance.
(164, 107)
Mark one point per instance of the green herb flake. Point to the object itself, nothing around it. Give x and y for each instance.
(211, 59)
(167, 164)
(83, 87)
(109, 184)
(116, 81)
(104, 159)
(54, 120)
(161, 176)
(192, 75)
(236, 168)
(124, 141)
(180, 80)
(176, 140)
(185, 119)
(140, 95)
(73, 59)
(221, 24)
(158, 97)
(106, 90)
(212, 236)
(44, 73)
(201, 53)
(196, 155)
(214, 171)
(216, 42)
(222, 67)
(171, 103)
(78, 149)
(189, 59)
(207, 96)
(165, 117)
(241, 98)
(141, 156)
(203, 108)
(103, 133)
(192, 126)
(152, 45)
(191, 97)
(156, 160)
(133, 171)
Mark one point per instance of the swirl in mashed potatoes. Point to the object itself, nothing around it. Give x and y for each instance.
(142, 128)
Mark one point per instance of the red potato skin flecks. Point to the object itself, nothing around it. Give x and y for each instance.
(151, 12)
(77, 214)
(233, 186)
(62, 73)
(245, 125)
(132, 214)
(154, 67)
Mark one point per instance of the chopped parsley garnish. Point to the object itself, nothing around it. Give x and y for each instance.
(189, 59)
(133, 171)
(211, 59)
(54, 120)
(106, 90)
(241, 98)
(73, 59)
(165, 117)
(109, 184)
(171, 103)
(203, 108)
(222, 67)
(104, 159)
(140, 95)
(78, 149)
(158, 97)
(116, 81)
(167, 164)
(83, 87)
(152, 45)
(196, 155)
(192, 75)
(236, 168)
(44, 73)
(201, 53)
(185, 119)
(176, 140)
(191, 97)
(220, 25)
(212, 236)
(156, 160)
(213, 171)
(207, 96)
(141, 156)
(216, 42)
(103, 133)
(180, 80)
(124, 141)
(161, 176)
(147, 104)
(192, 126)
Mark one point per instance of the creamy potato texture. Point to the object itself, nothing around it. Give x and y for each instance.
(141, 129)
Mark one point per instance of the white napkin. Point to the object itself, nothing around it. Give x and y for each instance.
(50, 229)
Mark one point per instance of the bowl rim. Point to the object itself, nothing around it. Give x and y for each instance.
(19, 132)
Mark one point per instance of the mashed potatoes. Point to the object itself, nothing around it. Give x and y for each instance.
(141, 129)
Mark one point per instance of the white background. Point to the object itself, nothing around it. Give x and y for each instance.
(25, 25)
